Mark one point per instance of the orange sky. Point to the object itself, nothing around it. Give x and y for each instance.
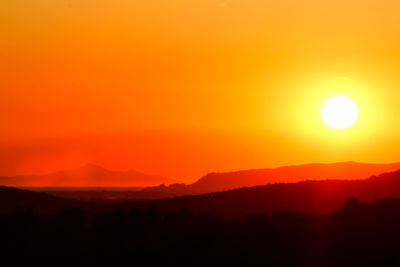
(181, 88)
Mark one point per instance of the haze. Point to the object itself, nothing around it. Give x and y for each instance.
(181, 88)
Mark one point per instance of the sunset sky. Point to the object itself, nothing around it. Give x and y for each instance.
(181, 88)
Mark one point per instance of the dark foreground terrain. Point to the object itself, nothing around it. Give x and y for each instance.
(359, 234)
(311, 223)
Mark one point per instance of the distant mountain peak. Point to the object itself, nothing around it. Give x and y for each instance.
(89, 175)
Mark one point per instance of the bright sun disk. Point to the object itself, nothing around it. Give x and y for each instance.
(339, 112)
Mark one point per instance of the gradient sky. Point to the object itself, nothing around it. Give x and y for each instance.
(181, 88)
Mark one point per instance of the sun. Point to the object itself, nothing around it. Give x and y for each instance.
(339, 112)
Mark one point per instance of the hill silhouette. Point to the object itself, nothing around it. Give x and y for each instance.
(13, 198)
(215, 182)
(290, 174)
(87, 176)
(313, 197)
(359, 234)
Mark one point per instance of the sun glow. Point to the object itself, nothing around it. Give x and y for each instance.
(339, 112)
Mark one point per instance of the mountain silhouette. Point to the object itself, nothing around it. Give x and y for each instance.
(289, 174)
(87, 176)
(313, 197)
(215, 182)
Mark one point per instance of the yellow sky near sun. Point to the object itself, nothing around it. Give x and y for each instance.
(264, 68)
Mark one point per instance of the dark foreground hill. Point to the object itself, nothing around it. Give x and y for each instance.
(11, 198)
(357, 235)
(311, 223)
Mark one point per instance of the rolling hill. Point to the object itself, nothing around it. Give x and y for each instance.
(313, 197)
(289, 174)
(11, 198)
(215, 182)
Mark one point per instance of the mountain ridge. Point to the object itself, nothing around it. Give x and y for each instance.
(294, 173)
(154, 186)
(310, 196)
(222, 181)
